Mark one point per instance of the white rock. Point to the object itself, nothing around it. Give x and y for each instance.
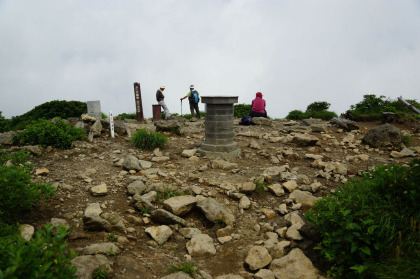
(201, 245)
(159, 233)
(258, 257)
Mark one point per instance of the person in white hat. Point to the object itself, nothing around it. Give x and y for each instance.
(160, 99)
(194, 99)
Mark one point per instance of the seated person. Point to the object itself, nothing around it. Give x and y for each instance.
(258, 106)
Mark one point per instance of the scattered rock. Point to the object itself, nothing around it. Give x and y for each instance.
(26, 231)
(201, 245)
(216, 212)
(294, 265)
(180, 205)
(159, 233)
(258, 257)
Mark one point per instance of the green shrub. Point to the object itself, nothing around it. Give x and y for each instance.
(45, 132)
(241, 110)
(299, 115)
(186, 267)
(295, 115)
(372, 107)
(4, 124)
(44, 256)
(49, 110)
(318, 106)
(123, 116)
(324, 115)
(18, 158)
(369, 220)
(17, 192)
(148, 140)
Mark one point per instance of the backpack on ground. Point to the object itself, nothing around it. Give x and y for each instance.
(246, 120)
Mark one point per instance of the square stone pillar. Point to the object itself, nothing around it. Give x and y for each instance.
(218, 127)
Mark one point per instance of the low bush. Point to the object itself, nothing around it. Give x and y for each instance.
(318, 106)
(296, 115)
(324, 115)
(314, 110)
(49, 110)
(299, 115)
(123, 116)
(17, 192)
(4, 124)
(241, 110)
(56, 133)
(148, 139)
(188, 116)
(44, 256)
(370, 222)
(372, 107)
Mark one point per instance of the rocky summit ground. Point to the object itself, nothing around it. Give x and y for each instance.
(122, 221)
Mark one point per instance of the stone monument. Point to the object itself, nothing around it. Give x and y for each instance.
(94, 109)
(218, 127)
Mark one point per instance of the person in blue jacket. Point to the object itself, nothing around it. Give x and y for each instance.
(194, 99)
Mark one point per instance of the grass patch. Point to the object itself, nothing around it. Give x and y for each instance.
(407, 139)
(144, 139)
(166, 194)
(100, 273)
(260, 185)
(186, 267)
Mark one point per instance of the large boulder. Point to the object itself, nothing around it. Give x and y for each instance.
(171, 126)
(345, 124)
(86, 265)
(6, 138)
(131, 163)
(262, 121)
(294, 265)
(180, 205)
(385, 135)
(216, 212)
(305, 140)
(258, 257)
(201, 245)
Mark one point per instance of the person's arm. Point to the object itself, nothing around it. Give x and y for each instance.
(186, 96)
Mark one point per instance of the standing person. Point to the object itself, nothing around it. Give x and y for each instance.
(160, 99)
(193, 98)
(258, 106)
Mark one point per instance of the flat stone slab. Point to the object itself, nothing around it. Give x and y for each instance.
(180, 205)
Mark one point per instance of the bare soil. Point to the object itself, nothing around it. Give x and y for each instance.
(66, 166)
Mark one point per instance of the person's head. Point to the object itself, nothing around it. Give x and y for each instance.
(162, 88)
(259, 95)
(191, 87)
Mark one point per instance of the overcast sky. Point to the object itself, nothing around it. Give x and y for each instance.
(293, 51)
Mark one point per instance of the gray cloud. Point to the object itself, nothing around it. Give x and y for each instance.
(294, 52)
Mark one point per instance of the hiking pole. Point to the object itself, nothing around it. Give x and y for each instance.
(181, 107)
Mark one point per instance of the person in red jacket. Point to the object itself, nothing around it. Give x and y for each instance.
(258, 106)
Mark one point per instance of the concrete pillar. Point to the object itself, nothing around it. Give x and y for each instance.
(157, 113)
(218, 126)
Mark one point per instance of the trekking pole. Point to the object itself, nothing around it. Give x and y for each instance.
(181, 107)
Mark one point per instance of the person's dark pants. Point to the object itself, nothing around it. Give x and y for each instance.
(258, 114)
(194, 106)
